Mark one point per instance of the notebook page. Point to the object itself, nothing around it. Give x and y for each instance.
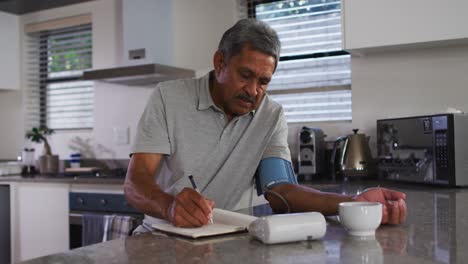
(225, 222)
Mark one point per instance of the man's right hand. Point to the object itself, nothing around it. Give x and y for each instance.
(189, 209)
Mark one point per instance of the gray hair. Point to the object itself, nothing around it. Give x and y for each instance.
(259, 35)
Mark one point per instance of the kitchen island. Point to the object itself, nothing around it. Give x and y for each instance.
(436, 231)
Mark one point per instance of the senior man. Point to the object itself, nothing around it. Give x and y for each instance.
(229, 134)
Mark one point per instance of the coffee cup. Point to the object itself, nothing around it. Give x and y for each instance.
(360, 218)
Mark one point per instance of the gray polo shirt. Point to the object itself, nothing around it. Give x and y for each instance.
(182, 122)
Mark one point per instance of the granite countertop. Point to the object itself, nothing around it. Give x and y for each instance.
(62, 179)
(436, 231)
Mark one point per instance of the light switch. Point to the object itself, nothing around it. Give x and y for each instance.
(121, 135)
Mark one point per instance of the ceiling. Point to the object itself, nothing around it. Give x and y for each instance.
(26, 6)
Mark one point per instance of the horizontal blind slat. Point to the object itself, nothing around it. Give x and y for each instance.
(296, 8)
(60, 56)
(305, 28)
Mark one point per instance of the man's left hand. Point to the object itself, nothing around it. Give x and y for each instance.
(393, 203)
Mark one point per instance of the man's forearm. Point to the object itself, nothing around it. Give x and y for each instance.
(145, 195)
(148, 198)
(305, 199)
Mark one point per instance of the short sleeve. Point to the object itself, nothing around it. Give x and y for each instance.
(272, 172)
(152, 133)
(278, 145)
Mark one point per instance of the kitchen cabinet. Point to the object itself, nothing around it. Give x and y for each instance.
(147, 26)
(5, 217)
(381, 24)
(40, 225)
(39, 214)
(9, 51)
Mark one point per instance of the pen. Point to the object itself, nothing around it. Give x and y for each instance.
(194, 185)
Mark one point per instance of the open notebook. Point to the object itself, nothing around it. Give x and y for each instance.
(224, 222)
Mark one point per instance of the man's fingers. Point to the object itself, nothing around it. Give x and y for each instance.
(198, 213)
(182, 218)
(393, 195)
(394, 217)
(192, 208)
(402, 205)
(202, 203)
(384, 214)
(211, 203)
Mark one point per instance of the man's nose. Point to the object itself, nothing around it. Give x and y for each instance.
(251, 88)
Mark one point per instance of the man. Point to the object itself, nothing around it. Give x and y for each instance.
(223, 129)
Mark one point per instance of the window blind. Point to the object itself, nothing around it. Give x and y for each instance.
(313, 78)
(56, 95)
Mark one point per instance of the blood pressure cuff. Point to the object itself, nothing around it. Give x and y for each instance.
(272, 172)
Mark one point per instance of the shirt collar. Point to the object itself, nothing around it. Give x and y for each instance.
(204, 96)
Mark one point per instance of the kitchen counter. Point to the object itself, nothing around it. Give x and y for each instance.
(436, 230)
(61, 179)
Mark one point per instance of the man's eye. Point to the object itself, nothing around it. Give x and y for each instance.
(244, 76)
(262, 87)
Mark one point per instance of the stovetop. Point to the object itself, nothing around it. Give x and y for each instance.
(116, 173)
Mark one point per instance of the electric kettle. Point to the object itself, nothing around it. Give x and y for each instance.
(351, 156)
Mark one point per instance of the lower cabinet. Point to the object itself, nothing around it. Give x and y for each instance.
(5, 224)
(40, 223)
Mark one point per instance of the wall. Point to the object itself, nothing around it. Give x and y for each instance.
(401, 83)
(198, 27)
(10, 66)
(390, 84)
(195, 36)
(106, 16)
(10, 100)
(11, 120)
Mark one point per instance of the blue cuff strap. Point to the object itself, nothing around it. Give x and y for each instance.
(272, 172)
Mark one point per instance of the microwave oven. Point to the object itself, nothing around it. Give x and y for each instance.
(429, 149)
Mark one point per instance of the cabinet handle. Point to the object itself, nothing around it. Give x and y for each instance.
(80, 200)
(103, 202)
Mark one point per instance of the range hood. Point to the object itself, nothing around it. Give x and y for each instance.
(144, 37)
(138, 75)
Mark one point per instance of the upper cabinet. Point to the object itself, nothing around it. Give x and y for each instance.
(380, 24)
(9, 52)
(147, 33)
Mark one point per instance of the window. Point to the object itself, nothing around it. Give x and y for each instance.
(313, 77)
(57, 96)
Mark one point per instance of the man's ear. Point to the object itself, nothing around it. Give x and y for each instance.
(218, 61)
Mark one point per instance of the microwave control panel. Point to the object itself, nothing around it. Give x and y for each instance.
(442, 152)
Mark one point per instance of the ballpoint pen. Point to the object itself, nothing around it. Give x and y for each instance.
(194, 185)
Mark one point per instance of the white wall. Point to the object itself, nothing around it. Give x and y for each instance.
(198, 27)
(11, 118)
(195, 28)
(390, 84)
(400, 83)
(106, 16)
(10, 65)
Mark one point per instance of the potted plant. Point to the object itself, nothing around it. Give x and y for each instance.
(48, 163)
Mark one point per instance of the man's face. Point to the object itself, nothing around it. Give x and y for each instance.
(242, 81)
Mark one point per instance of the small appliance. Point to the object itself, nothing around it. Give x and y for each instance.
(429, 149)
(311, 153)
(284, 228)
(351, 156)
